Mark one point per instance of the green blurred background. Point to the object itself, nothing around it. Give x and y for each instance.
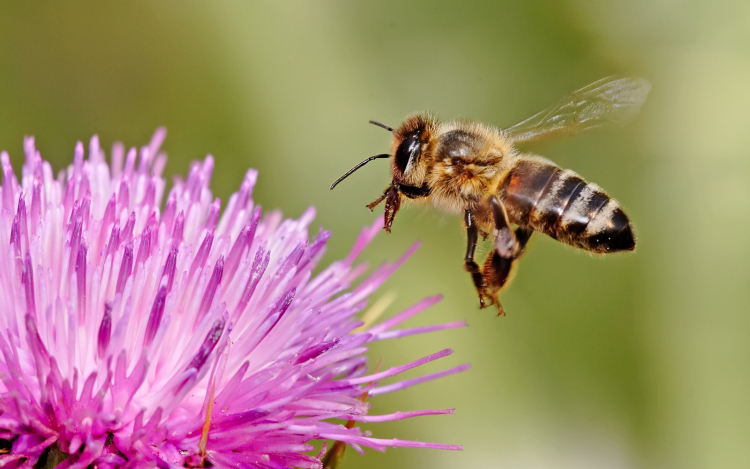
(634, 361)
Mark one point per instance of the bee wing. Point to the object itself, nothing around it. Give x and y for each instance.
(609, 101)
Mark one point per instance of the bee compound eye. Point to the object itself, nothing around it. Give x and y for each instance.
(408, 150)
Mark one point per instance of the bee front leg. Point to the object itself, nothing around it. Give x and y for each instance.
(469, 265)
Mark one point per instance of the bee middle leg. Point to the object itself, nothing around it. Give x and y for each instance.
(470, 266)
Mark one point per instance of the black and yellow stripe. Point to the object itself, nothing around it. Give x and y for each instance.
(541, 196)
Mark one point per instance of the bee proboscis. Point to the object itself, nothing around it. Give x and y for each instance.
(470, 168)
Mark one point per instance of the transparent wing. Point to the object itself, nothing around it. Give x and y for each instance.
(609, 101)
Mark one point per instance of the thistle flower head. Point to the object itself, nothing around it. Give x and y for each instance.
(136, 337)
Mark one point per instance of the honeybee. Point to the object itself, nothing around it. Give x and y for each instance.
(470, 168)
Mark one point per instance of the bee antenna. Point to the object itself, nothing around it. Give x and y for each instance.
(380, 124)
(359, 165)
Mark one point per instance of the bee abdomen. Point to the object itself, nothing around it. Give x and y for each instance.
(539, 195)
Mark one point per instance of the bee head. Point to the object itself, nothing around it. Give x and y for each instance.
(409, 150)
(411, 143)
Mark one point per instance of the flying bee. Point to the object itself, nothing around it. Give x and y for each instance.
(473, 169)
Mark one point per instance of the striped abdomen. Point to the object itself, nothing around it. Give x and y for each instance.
(539, 195)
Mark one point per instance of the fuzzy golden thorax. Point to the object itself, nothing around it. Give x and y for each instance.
(468, 161)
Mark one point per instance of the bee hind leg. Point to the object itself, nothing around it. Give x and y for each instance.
(509, 246)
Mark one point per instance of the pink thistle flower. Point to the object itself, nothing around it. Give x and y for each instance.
(132, 337)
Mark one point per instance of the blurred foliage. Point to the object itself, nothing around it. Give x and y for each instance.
(636, 361)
